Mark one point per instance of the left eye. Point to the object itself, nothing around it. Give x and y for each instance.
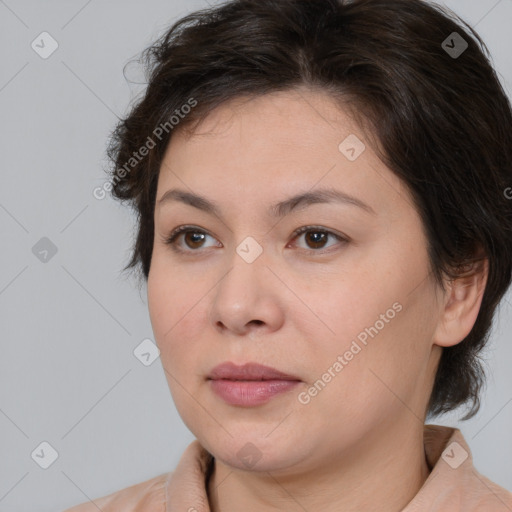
(316, 238)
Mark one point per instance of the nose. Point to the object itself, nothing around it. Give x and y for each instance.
(248, 298)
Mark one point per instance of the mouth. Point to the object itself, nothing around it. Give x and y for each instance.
(248, 372)
(249, 385)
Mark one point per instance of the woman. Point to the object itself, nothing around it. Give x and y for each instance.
(325, 231)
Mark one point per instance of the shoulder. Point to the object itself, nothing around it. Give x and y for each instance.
(147, 496)
(454, 483)
(485, 494)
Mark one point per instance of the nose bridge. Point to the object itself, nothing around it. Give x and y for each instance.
(244, 294)
(242, 283)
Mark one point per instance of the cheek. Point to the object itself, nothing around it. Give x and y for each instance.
(175, 317)
(369, 383)
(354, 307)
(387, 375)
(176, 330)
(176, 310)
(381, 331)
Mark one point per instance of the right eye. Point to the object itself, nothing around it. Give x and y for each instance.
(192, 236)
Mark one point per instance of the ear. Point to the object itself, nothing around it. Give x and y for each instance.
(462, 304)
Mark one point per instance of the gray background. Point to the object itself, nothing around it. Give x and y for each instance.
(68, 375)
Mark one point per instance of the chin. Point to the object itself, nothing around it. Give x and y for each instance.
(252, 451)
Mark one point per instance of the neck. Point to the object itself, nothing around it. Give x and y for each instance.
(384, 472)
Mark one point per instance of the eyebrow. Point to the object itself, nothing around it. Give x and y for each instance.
(280, 209)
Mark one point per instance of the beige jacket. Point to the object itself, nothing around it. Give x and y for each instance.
(453, 485)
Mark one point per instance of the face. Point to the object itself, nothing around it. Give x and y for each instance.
(346, 308)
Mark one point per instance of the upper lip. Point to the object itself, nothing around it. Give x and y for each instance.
(248, 371)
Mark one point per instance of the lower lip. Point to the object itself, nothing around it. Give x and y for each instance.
(250, 393)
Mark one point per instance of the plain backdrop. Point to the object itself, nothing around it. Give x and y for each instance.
(69, 320)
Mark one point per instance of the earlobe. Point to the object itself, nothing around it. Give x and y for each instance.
(462, 303)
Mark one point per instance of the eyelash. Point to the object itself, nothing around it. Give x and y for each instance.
(172, 238)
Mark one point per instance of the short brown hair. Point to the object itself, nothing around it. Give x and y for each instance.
(441, 118)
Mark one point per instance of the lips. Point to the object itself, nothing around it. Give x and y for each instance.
(248, 372)
(249, 385)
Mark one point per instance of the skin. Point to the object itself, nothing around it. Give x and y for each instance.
(357, 444)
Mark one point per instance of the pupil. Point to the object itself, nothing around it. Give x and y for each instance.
(195, 237)
(316, 239)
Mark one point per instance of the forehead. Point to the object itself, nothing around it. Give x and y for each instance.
(257, 148)
(293, 115)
